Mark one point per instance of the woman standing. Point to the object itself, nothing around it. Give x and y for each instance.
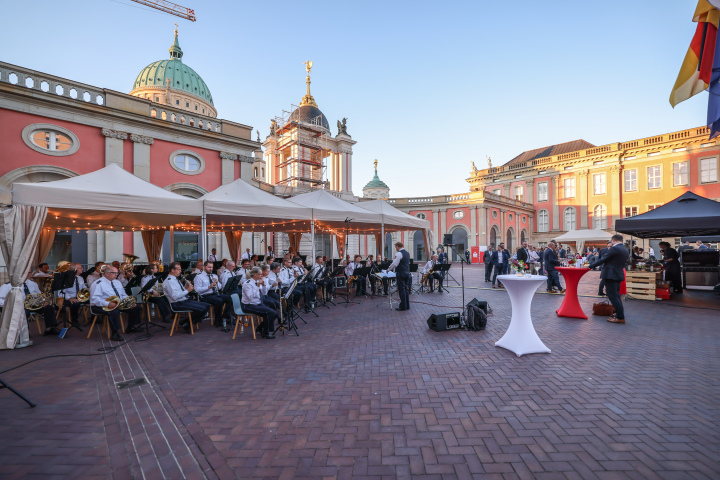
(671, 260)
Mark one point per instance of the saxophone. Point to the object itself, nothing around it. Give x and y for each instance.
(427, 275)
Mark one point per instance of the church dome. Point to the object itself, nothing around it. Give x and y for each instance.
(376, 188)
(176, 83)
(311, 115)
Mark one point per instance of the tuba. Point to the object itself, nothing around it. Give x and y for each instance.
(129, 258)
(36, 301)
(159, 265)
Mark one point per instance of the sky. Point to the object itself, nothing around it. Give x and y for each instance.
(427, 87)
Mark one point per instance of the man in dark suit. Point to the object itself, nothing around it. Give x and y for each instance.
(551, 261)
(613, 273)
(442, 258)
(523, 254)
(488, 264)
(601, 254)
(499, 259)
(562, 252)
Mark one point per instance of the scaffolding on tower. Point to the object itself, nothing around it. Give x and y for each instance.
(303, 147)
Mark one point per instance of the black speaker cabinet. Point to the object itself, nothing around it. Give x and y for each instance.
(447, 239)
(441, 322)
(483, 304)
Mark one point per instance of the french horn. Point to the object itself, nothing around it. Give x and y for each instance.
(35, 301)
(125, 304)
(83, 295)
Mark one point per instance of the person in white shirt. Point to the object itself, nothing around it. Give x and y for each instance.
(160, 301)
(270, 251)
(213, 256)
(223, 268)
(287, 276)
(70, 294)
(43, 270)
(308, 288)
(534, 259)
(433, 276)
(321, 277)
(268, 299)
(651, 252)
(229, 273)
(360, 283)
(29, 287)
(95, 275)
(244, 269)
(208, 286)
(177, 295)
(401, 266)
(272, 281)
(252, 292)
(109, 286)
(246, 255)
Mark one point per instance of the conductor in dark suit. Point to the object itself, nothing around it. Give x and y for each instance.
(613, 263)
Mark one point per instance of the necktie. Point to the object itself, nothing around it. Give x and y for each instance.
(77, 285)
(112, 284)
(181, 285)
(27, 290)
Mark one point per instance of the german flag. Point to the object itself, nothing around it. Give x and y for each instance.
(696, 70)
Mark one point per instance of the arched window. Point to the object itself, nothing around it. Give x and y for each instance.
(50, 139)
(543, 223)
(600, 216)
(262, 172)
(569, 219)
(256, 172)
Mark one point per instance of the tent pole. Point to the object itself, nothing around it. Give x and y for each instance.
(203, 243)
(312, 239)
(172, 244)
(382, 240)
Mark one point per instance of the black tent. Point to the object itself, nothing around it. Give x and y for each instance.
(689, 214)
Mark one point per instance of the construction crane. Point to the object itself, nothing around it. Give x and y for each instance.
(169, 7)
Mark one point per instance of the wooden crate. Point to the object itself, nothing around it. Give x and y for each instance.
(641, 285)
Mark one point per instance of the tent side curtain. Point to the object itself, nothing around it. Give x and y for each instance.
(152, 241)
(427, 240)
(44, 245)
(340, 238)
(378, 243)
(19, 233)
(233, 240)
(295, 241)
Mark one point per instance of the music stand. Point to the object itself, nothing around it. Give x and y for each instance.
(148, 286)
(293, 311)
(260, 258)
(443, 268)
(61, 281)
(388, 275)
(363, 272)
(323, 276)
(232, 285)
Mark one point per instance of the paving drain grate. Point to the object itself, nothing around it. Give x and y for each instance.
(135, 382)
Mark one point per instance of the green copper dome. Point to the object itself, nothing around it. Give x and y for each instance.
(180, 75)
(376, 182)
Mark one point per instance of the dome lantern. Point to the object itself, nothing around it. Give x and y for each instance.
(175, 50)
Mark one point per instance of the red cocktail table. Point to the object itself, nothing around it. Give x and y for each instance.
(571, 305)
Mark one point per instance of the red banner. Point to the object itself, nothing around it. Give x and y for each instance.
(475, 254)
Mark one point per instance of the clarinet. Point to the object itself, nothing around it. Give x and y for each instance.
(215, 288)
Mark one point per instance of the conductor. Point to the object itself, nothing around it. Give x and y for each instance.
(401, 266)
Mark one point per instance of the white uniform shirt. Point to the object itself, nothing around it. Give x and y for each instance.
(316, 271)
(396, 260)
(251, 293)
(40, 273)
(124, 281)
(286, 276)
(173, 290)
(202, 283)
(145, 280)
(226, 276)
(212, 258)
(533, 256)
(428, 266)
(245, 256)
(5, 289)
(299, 271)
(103, 289)
(93, 277)
(196, 271)
(71, 292)
(221, 270)
(270, 279)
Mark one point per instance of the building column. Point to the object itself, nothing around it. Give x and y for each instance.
(100, 244)
(531, 227)
(141, 156)
(92, 252)
(443, 223)
(583, 198)
(555, 194)
(528, 198)
(482, 213)
(228, 167)
(113, 147)
(615, 192)
(473, 241)
(503, 228)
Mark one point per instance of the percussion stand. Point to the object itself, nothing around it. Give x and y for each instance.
(5, 385)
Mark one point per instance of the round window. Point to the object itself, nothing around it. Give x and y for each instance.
(187, 162)
(421, 215)
(495, 215)
(50, 139)
(510, 216)
(458, 214)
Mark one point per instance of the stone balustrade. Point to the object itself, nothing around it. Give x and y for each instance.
(43, 82)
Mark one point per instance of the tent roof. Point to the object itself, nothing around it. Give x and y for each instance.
(107, 199)
(330, 211)
(583, 235)
(242, 205)
(688, 214)
(392, 217)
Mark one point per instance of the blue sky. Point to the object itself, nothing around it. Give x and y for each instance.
(426, 86)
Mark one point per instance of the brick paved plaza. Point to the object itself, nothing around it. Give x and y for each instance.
(366, 392)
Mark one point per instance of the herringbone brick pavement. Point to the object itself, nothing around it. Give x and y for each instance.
(368, 392)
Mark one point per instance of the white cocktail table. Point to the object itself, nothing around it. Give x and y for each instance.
(521, 337)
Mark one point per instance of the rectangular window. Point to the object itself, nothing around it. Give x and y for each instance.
(708, 170)
(630, 212)
(569, 187)
(630, 180)
(542, 192)
(497, 191)
(187, 105)
(653, 207)
(177, 102)
(599, 184)
(680, 174)
(654, 180)
(519, 193)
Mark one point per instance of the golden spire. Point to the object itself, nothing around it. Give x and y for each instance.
(308, 98)
(176, 26)
(375, 162)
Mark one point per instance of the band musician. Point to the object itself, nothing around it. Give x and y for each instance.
(208, 287)
(252, 291)
(434, 275)
(360, 282)
(30, 287)
(109, 286)
(375, 266)
(155, 298)
(70, 294)
(309, 289)
(320, 276)
(270, 299)
(177, 295)
(401, 266)
(287, 277)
